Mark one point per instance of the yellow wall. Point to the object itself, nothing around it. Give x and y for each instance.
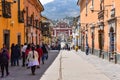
(5, 24)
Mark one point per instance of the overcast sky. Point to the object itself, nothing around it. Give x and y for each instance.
(45, 1)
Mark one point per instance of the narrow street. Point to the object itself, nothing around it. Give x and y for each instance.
(71, 65)
(78, 39)
(22, 73)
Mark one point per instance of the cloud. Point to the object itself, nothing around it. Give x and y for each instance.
(53, 9)
(45, 1)
(61, 8)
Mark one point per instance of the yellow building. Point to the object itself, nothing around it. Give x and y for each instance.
(46, 30)
(11, 22)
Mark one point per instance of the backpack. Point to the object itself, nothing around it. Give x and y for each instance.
(4, 58)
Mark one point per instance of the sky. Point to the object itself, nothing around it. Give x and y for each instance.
(59, 9)
(45, 1)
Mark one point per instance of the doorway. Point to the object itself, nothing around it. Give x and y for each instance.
(19, 39)
(6, 38)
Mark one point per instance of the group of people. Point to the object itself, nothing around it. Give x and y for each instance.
(31, 56)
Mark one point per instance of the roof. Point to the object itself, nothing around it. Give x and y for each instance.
(41, 5)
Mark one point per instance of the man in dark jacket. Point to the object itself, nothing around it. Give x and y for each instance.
(4, 59)
(16, 55)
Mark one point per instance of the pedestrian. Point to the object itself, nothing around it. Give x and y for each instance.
(28, 49)
(40, 53)
(4, 61)
(87, 49)
(45, 53)
(23, 54)
(12, 53)
(33, 60)
(16, 55)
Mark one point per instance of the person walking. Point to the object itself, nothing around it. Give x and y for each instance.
(32, 59)
(45, 53)
(40, 53)
(23, 54)
(4, 61)
(87, 50)
(28, 49)
(16, 55)
(12, 53)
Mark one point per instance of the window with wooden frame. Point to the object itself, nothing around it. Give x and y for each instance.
(6, 9)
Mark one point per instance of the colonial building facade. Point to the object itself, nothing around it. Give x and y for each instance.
(20, 22)
(61, 31)
(11, 22)
(33, 20)
(100, 21)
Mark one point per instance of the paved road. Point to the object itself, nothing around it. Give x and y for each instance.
(70, 65)
(22, 73)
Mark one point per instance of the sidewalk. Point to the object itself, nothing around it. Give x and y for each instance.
(71, 66)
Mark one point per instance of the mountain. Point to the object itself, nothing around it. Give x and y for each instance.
(58, 9)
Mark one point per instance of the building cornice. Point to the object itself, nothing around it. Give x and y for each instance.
(41, 5)
(37, 4)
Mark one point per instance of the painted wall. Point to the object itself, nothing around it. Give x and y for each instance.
(12, 24)
(92, 17)
(35, 11)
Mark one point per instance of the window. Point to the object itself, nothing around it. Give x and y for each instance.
(6, 9)
(21, 16)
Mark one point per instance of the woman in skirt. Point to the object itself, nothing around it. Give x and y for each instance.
(33, 60)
